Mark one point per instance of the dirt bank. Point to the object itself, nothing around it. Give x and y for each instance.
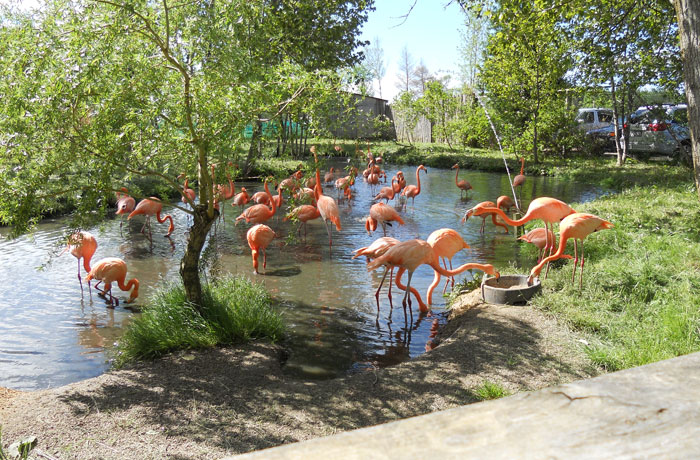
(203, 405)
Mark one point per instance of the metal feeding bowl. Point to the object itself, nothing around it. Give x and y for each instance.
(508, 289)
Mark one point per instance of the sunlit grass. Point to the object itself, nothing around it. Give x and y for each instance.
(489, 390)
(236, 311)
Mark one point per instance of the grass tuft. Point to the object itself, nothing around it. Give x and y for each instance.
(489, 390)
(236, 311)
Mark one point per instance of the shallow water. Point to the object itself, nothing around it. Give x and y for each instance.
(51, 335)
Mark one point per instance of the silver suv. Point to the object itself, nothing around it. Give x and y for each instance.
(593, 118)
(661, 129)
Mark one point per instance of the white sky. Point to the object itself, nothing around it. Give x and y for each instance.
(431, 33)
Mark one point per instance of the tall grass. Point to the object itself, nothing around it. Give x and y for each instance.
(639, 301)
(236, 311)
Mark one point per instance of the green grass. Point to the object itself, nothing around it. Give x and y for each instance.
(237, 311)
(639, 303)
(489, 390)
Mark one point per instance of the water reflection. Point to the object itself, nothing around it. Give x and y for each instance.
(50, 335)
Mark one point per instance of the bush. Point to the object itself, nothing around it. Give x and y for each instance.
(235, 311)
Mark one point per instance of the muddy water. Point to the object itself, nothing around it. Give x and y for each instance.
(51, 334)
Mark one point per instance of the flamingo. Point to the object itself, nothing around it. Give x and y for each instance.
(409, 255)
(550, 210)
(188, 195)
(259, 237)
(411, 191)
(223, 192)
(241, 198)
(483, 205)
(152, 207)
(446, 243)
(387, 193)
(82, 245)
(303, 213)
(327, 207)
(575, 226)
(311, 182)
(505, 202)
(125, 204)
(259, 213)
(261, 198)
(538, 237)
(383, 214)
(290, 183)
(401, 180)
(113, 269)
(519, 180)
(374, 250)
(329, 177)
(305, 194)
(462, 185)
(344, 183)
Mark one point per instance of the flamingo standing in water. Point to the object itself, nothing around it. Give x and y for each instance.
(259, 213)
(446, 243)
(519, 180)
(538, 237)
(329, 176)
(409, 255)
(261, 197)
(303, 213)
(113, 269)
(462, 185)
(241, 198)
(259, 237)
(505, 202)
(82, 245)
(387, 193)
(374, 250)
(125, 204)
(550, 210)
(484, 215)
(575, 226)
(327, 207)
(188, 195)
(412, 191)
(152, 207)
(383, 214)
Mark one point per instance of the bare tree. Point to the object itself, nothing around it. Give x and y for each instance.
(406, 69)
(421, 76)
(374, 61)
(474, 39)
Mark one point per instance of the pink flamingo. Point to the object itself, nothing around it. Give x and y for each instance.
(125, 204)
(383, 214)
(387, 193)
(259, 237)
(575, 226)
(188, 195)
(241, 198)
(409, 255)
(261, 198)
(519, 180)
(303, 213)
(327, 207)
(462, 185)
(374, 250)
(538, 237)
(152, 207)
(550, 210)
(329, 177)
(505, 202)
(113, 269)
(446, 243)
(259, 213)
(412, 191)
(82, 245)
(401, 180)
(484, 215)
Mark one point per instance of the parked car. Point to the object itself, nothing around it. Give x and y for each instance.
(602, 139)
(593, 118)
(661, 129)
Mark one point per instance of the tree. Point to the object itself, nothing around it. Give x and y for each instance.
(374, 61)
(474, 40)
(688, 14)
(98, 92)
(420, 78)
(440, 107)
(406, 69)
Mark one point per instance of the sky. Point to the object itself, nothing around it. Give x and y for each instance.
(431, 34)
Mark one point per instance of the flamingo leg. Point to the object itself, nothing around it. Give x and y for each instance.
(330, 238)
(581, 279)
(548, 244)
(376, 294)
(447, 279)
(483, 225)
(80, 280)
(573, 274)
(391, 278)
(264, 251)
(408, 294)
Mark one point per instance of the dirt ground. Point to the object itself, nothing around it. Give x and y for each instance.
(205, 405)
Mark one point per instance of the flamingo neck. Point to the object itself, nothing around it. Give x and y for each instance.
(272, 199)
(133, 282)
(163, 219)
(497, 223)
(522, 165)
(431, 288)
(436, 266)
(418, 180)
(421, 305)
(557, 255)
(86, 262)
(457, 176)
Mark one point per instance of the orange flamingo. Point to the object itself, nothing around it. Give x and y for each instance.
(446, 243)
(327, 207)
(538, 237)
(505, 202)
(329, 177)
(387, 193)
(311, 182)
(82, 245)
(343, 184)
(401, 180)
(188, 195)
(259, 237)
(152, 207)
(125, 204)
(412, 191)
(519, 180)
(462, 185)
(306, 194)
(291, 183)
(382, 214)
(374, 250)
(575, 226)
(241, 198)
(550, 210)
(303, 213)
(259, 213)
(261, 198)
(484, 215)
(113, 269)
(409, 255)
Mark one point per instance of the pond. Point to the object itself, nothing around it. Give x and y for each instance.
(51, 334)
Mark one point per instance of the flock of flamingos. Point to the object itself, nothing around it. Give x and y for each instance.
(384, 252)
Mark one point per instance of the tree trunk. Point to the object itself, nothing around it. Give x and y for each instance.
(189, 265)
(688, 12)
